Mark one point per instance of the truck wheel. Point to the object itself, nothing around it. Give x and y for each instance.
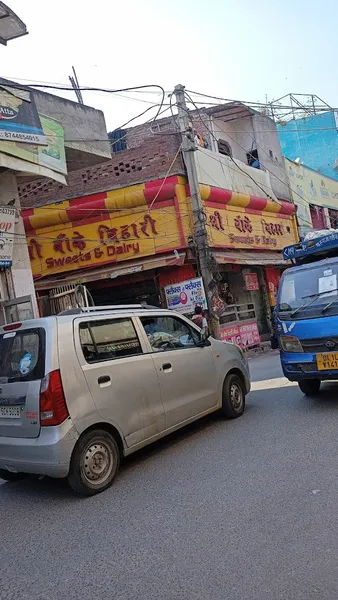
(94, 464)
(233, 400)
(309, 387)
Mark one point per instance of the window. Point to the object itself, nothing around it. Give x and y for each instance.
(117, 140)
(333, 215)
(22, 355)
(169, 333)
(108, 339)
(317, 217)
(253, 160)
(224, 148)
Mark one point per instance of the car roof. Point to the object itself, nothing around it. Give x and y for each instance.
(92, 312)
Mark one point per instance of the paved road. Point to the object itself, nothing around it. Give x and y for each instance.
(240, 510)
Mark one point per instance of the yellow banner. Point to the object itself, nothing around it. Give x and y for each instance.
(113, 240)
(234, 227)
(309, 187)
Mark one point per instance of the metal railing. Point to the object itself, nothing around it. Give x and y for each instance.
(238, 312)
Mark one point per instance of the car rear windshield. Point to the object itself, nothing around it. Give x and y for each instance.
(22, 355)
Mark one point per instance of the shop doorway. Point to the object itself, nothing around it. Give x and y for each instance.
(128, 291)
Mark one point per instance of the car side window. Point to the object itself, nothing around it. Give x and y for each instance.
(108, 340)
(169, 333)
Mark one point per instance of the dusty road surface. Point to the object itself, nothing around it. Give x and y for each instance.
(239, 510)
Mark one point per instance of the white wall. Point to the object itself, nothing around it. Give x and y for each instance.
(266, 137)
(220, 171)
(258, 132)
(234, 132)
(16, 281)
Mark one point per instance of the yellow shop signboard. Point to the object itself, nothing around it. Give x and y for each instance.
(310, 187)
(231, 227)
(68, 248)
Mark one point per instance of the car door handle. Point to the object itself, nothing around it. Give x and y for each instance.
(103, 379)
(166, 366)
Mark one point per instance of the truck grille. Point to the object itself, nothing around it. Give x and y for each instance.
(302, 367)
(328, 344)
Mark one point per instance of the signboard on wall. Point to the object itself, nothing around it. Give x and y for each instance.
(245, 335)
(310, 187)
(52, 155)
(184, 296)
(19, 118)
(251, 282)
(7, 222)
(110, 241)
(232, 227)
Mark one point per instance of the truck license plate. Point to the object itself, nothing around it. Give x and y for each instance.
(327, 362)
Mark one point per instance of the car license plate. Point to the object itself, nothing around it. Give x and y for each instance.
(327, 362)
(10, 412)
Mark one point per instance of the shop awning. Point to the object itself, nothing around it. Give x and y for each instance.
(112, 271)
(253, 258)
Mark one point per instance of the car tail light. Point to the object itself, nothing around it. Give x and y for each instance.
(11, 327)
(53, 408)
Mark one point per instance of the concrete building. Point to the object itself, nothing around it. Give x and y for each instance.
(312, 141)
(41, 136)
(315, 195)
(67, 133)
(124, 228)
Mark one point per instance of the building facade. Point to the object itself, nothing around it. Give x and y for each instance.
(312, 141)
(315, 195)
(34, 148)
(125, 228)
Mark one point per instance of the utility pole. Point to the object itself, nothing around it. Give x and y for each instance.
(199, 217)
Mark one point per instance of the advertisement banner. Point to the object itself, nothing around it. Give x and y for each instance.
(245, 336)
(52, 155)
(19, 118)
(309, 187)
(184, 296)
(251, 282)
(7, 222)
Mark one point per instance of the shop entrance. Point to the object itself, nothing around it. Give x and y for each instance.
(246, 318)
(126, 290)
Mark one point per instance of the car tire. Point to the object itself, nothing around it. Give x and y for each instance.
(9, 476)
(233, 398)
(94, 463)
(309, 387)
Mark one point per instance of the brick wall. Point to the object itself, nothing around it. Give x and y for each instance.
(149, 158)
(166, 126)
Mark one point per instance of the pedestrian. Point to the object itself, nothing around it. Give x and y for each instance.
(199, 317)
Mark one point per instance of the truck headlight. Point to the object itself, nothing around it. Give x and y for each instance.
(290, 343)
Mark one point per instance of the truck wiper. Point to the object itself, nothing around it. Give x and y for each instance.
(328, 305)
(313, 298)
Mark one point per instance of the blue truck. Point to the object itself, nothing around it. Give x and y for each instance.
(306, 314)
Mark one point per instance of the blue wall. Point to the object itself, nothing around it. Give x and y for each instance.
(314, 140)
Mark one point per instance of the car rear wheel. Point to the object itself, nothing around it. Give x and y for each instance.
(94, 464)
(9, 476)
(233, 401)
(309, 387)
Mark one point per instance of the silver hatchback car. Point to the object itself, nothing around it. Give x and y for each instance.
(81, 389)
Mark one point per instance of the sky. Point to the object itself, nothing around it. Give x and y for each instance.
(240, 50)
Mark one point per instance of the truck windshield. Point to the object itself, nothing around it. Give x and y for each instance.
(309, 293)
